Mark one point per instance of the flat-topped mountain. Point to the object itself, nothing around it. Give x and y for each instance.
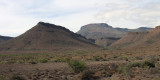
(45, 36)
(4, 38)
(103, 30)
(99, 30)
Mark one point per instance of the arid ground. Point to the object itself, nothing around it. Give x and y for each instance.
(101, 65)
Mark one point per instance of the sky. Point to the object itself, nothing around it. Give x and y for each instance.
(18, 16)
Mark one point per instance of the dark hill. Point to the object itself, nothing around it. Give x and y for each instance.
(50, 37)
(4, 38)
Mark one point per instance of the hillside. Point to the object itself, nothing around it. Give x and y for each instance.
(137, 40)
(47, 37)
(4, 38)
(106, 41)
(103, 34)
(103, 30)
(130, 39)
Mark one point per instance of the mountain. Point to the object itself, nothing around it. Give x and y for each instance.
(4, 38)
(99, 30)
(148, 39)
(140, 29)
(103, 30)
(48, 37)
(104, 34)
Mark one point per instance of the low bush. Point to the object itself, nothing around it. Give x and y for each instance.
(9, 62)
(77, 66)
(135, 64)
(26, 58)
(62, 60)
(97, 58)
(86, 75)
(142, 64)
(43, 60)
(33, 62)
(58, 60)
(2, 77)
(16, 77)
(148, 64)
(20, 61)
(125, 69)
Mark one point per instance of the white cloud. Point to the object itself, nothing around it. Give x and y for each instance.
(17, 16)
(133, 15)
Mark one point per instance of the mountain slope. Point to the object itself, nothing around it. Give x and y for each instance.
(103, 30)
(103, 33)
(45, 36)
(129, 39)
(106, 41)
(4, 38)
(149, 39)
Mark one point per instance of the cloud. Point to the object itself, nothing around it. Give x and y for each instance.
(135, 14)
(17, 16)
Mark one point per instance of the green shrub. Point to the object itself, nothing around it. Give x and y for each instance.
(148, 64)
(16, 77)
(138, 58)
(142, 64)
(123, 58)
(26, 58)
(66, 59)
(86, 75)
(43, 60)
(20, 61)
(9, 62)
(135, 64)
(97, 58)
(125, 69)
(62, 60)
(32, 62)
(2, 77)
(58, 60)
(77, 66)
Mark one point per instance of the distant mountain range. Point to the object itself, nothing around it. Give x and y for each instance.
(48, 37)
(103, 30)
(104, 35)
(4, 38)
